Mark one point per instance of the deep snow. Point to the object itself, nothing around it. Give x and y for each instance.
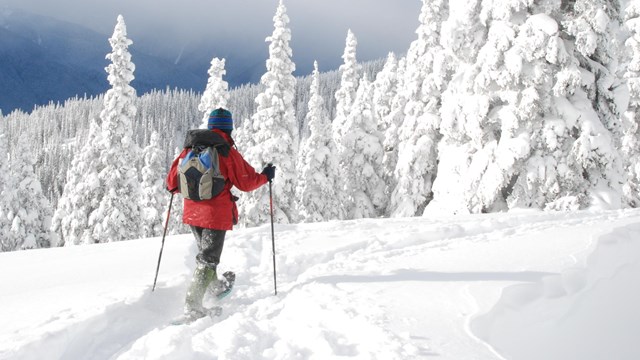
(521, 285)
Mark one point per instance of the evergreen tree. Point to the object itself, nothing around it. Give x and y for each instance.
(345, 97)
(504, 94)
(154, 196)
(118, 214)
(593, 26)
(216, 94)
(552, 177)
(275, 130)
(346, 94)
(425, 76)
(317, 191)
(479, 120)
(33, 212)
(631, 118)
(78, 200)
(8, 197)
(361, 156)
(461, 37)
(526, 134)
(385, 88)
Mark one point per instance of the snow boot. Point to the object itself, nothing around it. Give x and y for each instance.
(202, 277)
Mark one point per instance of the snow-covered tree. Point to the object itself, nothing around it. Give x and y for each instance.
(345, 97)
(385, 88)
(546, 177)
(275, 130)
(4, 223)
(79, 200)
(118, 214)
(361, 158)
(154, 195)
(461, 37)
(425, 76)
(32, 213)
(519, 126)
(505, 102)
(485, 120)
(8, 197)
(631, 118)
(389, 125)
(317, 191)
(216, 94)
(593, 26)
(346, 94)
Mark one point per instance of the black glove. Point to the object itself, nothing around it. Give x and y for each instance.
(269, 171)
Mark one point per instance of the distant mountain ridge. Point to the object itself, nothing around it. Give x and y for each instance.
(43, 60)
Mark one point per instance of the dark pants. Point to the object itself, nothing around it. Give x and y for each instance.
(210, 243)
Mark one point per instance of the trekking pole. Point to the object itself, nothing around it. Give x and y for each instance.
(273, 238)
(164, 234)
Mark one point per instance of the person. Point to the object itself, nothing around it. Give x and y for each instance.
(210, 219)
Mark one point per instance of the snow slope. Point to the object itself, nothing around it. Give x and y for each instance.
(526, 285)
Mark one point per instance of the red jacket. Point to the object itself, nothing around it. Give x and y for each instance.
(220, 212)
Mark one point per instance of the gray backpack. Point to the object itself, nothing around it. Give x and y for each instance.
(199, 172)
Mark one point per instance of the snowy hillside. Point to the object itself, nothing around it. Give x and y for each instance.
(526, 285)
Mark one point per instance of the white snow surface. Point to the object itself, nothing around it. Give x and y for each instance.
(518, 285)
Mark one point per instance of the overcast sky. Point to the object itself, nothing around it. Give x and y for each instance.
(319, 27)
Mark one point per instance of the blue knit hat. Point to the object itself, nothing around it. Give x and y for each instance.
(220, 119)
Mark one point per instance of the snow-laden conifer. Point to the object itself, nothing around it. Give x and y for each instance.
(425, 76)
(593, 26)
(461, 37)
(385, 88)
(79, 200)
(526, 133)
(345, 96)
(4, 173)
(346, 93)
(389, 125)
(154, 196)
(361, 156)
(275, 130)
(631, 118)
(216, 94)
(548, 177)
(32, 213)
(488, 112)
(317, 190)
(8, 199)
(118, 214)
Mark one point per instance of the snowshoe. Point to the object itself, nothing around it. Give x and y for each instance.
(224, 286)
